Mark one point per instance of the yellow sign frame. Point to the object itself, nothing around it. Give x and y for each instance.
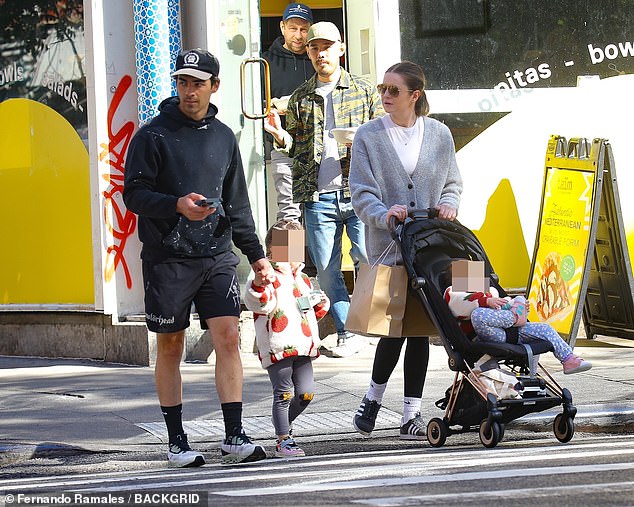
(609, 302)
(562, 257)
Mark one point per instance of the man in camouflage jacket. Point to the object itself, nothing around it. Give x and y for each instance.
(331, 99)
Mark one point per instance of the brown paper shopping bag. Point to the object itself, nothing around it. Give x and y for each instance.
(416, 321)
(378, 301)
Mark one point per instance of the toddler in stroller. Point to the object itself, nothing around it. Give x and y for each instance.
(472, 301)
(428, 247)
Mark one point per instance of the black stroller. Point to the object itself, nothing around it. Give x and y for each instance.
(428, 246)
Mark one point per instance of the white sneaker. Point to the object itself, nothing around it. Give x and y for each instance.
(348, 344)
(240, 449)
(180, 455)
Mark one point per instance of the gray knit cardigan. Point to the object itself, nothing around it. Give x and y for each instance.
(378, 180)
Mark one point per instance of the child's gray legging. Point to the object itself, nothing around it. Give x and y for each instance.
(293, 386)
(489, 324)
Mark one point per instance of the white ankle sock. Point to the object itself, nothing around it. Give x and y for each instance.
(376, 391)
(411, 407)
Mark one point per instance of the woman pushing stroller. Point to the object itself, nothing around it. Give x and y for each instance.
(402, 161)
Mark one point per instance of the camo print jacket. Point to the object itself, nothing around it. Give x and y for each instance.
(355, 101)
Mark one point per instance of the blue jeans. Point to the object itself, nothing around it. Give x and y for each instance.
(324, 221)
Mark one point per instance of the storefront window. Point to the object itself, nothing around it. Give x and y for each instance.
(511, 46)
(42, 56)
(466, 44)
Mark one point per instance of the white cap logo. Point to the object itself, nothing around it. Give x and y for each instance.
(191, 59)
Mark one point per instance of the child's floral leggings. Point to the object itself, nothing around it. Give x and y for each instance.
(490, 324)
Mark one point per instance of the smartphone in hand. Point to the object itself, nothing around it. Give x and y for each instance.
(211, 202)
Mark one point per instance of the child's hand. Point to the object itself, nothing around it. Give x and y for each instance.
(496, 303)
(264, 273)
(259, 279)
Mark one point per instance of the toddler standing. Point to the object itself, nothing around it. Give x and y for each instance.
(285, 315)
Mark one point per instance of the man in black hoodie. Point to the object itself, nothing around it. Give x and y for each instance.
(289, 67)
(184, 179)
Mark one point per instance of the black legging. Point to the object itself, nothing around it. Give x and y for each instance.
(415, 363)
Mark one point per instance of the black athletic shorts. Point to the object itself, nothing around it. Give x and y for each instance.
(172, 285)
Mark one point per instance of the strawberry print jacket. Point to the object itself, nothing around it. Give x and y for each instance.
(462, 305)
(281, 328)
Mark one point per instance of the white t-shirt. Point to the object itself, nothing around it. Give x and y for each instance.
(406, 141)
(329, 178)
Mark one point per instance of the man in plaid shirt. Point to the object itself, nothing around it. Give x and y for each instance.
(332, 98)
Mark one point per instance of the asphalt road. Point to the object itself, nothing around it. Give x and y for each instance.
(527, 468)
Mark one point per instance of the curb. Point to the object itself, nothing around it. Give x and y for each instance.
(590, 418)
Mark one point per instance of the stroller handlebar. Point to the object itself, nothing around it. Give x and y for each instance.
(415, 214)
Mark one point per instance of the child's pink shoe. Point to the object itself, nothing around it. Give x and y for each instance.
(574, 364)
(287, 448)
(520, 309)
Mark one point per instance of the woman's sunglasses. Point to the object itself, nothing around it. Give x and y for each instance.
(393, 90)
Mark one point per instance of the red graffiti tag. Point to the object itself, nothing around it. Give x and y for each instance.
(123, 222)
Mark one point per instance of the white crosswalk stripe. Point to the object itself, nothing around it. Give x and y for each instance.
(483, 496)
(372, 472)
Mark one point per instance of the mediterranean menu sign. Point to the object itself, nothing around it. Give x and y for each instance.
(566, 233)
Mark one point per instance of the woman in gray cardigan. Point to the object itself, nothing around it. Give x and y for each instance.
(400, 162)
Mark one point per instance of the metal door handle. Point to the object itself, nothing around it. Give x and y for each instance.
(267, 88)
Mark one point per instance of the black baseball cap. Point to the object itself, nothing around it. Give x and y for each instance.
(197, 63)
(298, 11)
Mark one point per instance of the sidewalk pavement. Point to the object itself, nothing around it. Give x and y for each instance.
(64, 406)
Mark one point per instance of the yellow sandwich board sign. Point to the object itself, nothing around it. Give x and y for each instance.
(573, 178)
(580, 258)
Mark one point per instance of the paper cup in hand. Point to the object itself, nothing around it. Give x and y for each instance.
(344, 135)
(280, 104)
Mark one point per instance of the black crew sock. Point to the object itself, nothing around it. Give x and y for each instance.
(174, 421)
(232, 415)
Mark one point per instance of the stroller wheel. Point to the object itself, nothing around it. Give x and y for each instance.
(564, 428)
(437, 432)
(490, 436)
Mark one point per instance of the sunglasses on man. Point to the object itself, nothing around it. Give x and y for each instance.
(392, 90)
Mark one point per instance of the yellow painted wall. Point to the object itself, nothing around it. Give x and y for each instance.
(502, 238)
(46, 250)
